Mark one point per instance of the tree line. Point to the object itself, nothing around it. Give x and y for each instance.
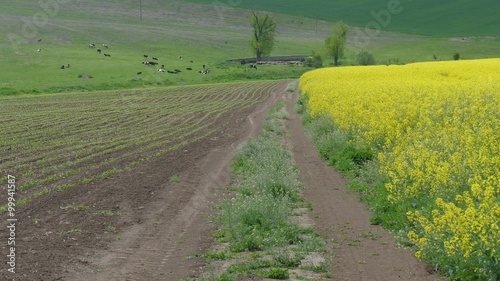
(264, 35)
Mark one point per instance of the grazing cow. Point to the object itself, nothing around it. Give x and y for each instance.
(180, 57)
(177, 71)
(39, 40)
(67, 66)
(99, 51)
(170, 71)
(39, 50)
(253, 66)
(163, 66)
(206, 71)
(203, 66)
(155, 58)
(161, 70)
(145, 56)
(105, 46)
(107, 55)
(145, 62)
(189, 68)
(191, 61)
(139, 73)
(92, 45)
(62, 67)
(152, 63)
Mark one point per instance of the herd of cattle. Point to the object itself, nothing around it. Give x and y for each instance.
(152, 62)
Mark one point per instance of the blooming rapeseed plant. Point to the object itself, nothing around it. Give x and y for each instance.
(436, 129)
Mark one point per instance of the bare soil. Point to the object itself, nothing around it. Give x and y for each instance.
(143, 225)
(139, 225)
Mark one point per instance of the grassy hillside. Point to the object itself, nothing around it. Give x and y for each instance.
(205, 34)
(168, 30)
(424, 17)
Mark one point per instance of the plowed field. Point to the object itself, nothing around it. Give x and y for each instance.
(90, 165)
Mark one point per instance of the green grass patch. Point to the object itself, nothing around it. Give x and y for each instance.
(174, 179)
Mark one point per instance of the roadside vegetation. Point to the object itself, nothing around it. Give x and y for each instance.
(420, 143)
(259, 232)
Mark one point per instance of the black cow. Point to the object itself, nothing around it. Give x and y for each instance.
(155, 58)
(99, 51)
(146, 56)
(189, 68)
(107, 55)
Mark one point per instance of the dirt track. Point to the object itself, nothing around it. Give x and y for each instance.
(359, 250)
(156, 224)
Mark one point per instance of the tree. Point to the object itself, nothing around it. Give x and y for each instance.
(366, 58)
(264, 29)
(335, 44)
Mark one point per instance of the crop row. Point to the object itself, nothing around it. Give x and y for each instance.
(105, 136)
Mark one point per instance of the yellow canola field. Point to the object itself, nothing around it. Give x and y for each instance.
(436, 129)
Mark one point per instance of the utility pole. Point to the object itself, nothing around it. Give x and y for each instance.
(140, 9)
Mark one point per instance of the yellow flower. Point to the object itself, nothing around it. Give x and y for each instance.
(436, 131)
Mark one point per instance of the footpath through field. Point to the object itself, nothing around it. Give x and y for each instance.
(359, 250)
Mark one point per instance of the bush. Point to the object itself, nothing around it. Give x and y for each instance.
(366, 58)
(314, 61)
(456, 56)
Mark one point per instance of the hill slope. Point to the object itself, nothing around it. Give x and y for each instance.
(425, 17)
(207, 34)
